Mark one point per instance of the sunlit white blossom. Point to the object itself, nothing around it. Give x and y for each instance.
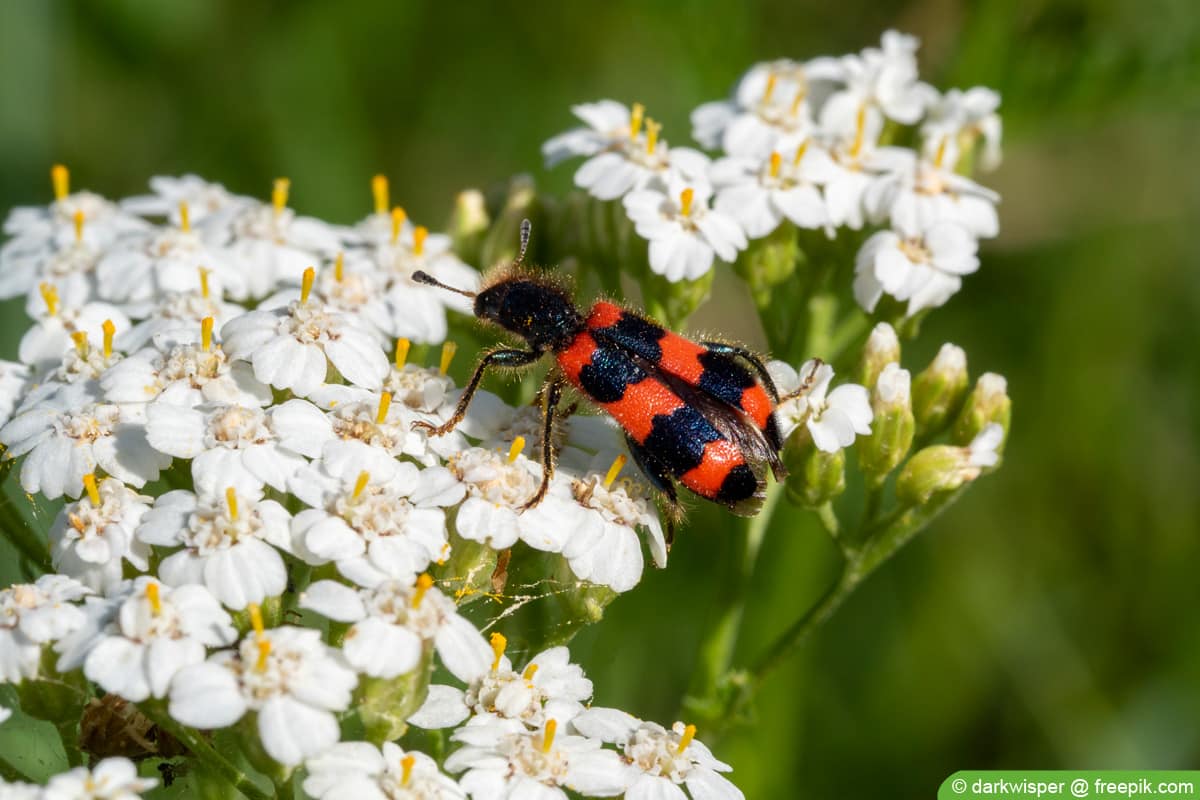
(925, 271)
(91, 541)
(111, 779)
(833, 418)
(362, 771)
(685, 234)
(33, 615)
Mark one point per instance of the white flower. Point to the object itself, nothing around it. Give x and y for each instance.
(662, 760)
(238, 445)
(14, 383)
(292, 680)
(503, 759)
(200, 196)
(771, 108)
(93, 537)
(56, 322)
(394, 621)
(70, 269)
(684, 233)
(858, 163)
(638, 160)
(607, 124)
(111, 779)
(267, 243)
(32, 615)
(549, 687)
(362, 771)
(376, 517)
(497, 488)
(882, 80)
(231, 543)
(924, 192)
(594, 521)
(151, 632)
(833, 417)
(924, 270)
(68, 436)
(185, 368)
(289, 346)
(761, 194)
(376, 419)
(964, 116)
(177, 311)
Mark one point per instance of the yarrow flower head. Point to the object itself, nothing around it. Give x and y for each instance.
(93, 537)
(362, 771)
(684, 232)
(33, 615)
(832, 418)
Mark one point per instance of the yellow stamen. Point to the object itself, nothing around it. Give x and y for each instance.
(518, 445)
(419, 235)
(306, 284)
(776, 160)
(860, 131)
(398, 218)
(203, 281)
(548, 735)
(498, 643)
(686, 197)
(424, 584)
(359, 485)
(81, 343)
(402, 346)
(385, 402)
(652, 129)
(689, 733)
(76, 522)
(279, 194)
(379, 188)
(153, 598)
(614, 470)
(772, 82)
(89, 483)
(529, 672)
(264, 650)
(406, 768)
(256, 620)
(185, 219)
(339, 267)
(60, 178)
(109, 329)
(206, 326)
(636, 114)
(78, 220)
(448, 351)
(50, 295)
(800, 151)
(801, 93)
(231, 502)
(940, 157)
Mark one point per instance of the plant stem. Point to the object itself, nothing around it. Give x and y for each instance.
(716, 653)
(201, 749)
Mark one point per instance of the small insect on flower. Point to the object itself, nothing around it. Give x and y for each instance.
(698, 413)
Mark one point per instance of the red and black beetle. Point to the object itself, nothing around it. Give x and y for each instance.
(697, 413)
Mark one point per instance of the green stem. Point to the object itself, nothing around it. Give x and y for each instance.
(201, 749)
(716, 653)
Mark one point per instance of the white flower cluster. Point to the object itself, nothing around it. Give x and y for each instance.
(223, 400)
(811, 144)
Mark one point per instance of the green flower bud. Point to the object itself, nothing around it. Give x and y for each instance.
(673, 303)
(468, 224)
(944, 468)
(893, 427)
(939, 389)
(504, 237)
(467, 573)
(815, 477)
(987, 403)
(387, 703)
(882, 348)
(769, 261)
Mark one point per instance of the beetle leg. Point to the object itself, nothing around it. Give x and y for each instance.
(552, 394)
(496, 358)
(806, 383)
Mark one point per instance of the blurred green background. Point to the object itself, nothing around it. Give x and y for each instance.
(1046, 621)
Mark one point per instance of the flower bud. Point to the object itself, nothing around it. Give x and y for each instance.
(388, 702)
(503, 239)
(882, 348)
(893, 427)
(673, 303)
(939, 389)
(944, 468)
(987, 403)
(815, 476)
(769, 261)
(468, 224)
(467, 572)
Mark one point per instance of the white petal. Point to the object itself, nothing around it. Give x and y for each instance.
(292, 731)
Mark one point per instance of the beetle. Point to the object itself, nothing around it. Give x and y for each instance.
(701, 414)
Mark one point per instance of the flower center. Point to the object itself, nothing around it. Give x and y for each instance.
(237, 426)
(93, 425)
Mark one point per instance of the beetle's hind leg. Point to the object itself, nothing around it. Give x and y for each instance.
(806, 383)
(496, 358)
(551, 395)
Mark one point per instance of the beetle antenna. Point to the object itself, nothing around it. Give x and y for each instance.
(429, 280)
(526, 228)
